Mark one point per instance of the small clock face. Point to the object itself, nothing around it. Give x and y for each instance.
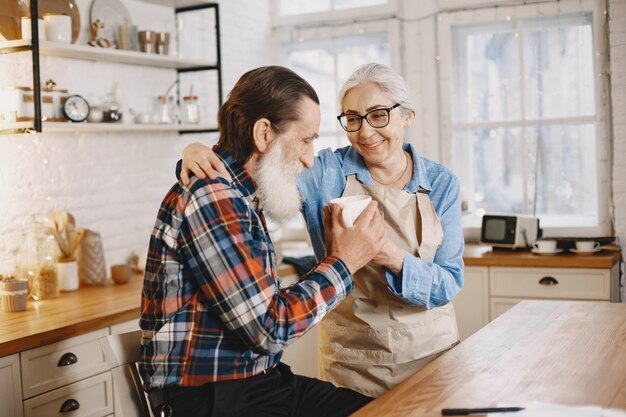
(76, 108)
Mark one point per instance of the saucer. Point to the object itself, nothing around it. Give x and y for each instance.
(552, 252)
(587, 252)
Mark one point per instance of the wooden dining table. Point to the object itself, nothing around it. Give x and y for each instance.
(561, 352)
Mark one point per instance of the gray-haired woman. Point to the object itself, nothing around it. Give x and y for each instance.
(399, 317)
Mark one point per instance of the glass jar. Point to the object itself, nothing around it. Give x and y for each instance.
(191, 110)
(165, 109)
(36, 262)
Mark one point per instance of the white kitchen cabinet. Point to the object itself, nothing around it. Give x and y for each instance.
(10, 386)
(91, 397)
(471, 305)
(508, 286)
(57, 364)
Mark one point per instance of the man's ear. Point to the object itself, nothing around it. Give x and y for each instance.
(262, 134)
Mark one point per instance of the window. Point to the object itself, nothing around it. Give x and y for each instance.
(293, 7)
(326, 64)
(521, 117)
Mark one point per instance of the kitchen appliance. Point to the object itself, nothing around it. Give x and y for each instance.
(509, 230)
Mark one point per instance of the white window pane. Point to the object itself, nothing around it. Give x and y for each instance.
(293, 7)
(562, 170)
(489, 165)
(485, 71)
(351, 4)
(558, 62)
(326, 64)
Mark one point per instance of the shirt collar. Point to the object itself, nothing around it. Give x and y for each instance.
(241, 179)
(353, 164)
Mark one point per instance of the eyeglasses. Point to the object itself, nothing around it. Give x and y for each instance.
(376, 118)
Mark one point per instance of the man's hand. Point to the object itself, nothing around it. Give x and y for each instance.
(203, 162)
(357, 245)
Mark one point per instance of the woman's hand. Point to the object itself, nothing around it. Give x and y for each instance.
(390, 257)
(202, 162)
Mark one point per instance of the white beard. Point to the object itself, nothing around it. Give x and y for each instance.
(277, 188)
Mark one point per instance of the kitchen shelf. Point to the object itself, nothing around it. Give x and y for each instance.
(108, 127)
(84, 52)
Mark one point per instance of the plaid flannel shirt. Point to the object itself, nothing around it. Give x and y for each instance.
(212, 306)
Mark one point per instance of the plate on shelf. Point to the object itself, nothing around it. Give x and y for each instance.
(586, 252)
(112, 13)
(11, 12)
(66, 7)
(552, 252)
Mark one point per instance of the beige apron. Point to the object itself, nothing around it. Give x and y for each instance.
(374, 340)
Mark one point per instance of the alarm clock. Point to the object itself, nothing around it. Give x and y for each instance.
(76, 108)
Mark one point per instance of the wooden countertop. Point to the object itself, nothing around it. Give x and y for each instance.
(74, 313)
(70, 314)
(571, 353)
(478, 255)
(92, 308)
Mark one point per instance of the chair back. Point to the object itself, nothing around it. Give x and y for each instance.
(121, 352)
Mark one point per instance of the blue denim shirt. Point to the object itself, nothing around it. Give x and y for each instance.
(426, 284)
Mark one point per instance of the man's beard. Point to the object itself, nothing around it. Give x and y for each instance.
(277, 188)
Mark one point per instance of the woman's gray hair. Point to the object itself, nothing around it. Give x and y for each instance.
(387, 79)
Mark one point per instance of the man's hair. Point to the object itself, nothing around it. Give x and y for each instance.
(271, 92)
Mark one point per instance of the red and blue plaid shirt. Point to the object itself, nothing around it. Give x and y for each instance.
(212, 306)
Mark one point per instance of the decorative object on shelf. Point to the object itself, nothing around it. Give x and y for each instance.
(147, 41)
(25, 110)
(120, 274)
(111, 112)
(62, 7)
(13, 294)
(191, 109)
(76, 108)
(26, 29)
(90, 256)
(112, 14)
(162, 43)
(11, 15)
(58, 28)
(97, 28)
(59, 95)
(96, 114)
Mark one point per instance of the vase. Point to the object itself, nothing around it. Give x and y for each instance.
(67, 274)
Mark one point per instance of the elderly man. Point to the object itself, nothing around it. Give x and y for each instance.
(215, 319)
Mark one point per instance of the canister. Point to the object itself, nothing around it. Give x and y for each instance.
(26, 105)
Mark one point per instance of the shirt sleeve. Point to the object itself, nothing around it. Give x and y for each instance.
(226, 255)
(432, 284)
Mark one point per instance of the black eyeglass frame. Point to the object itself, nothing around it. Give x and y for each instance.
(364, 117)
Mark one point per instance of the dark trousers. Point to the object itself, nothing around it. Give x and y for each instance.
(273, 394)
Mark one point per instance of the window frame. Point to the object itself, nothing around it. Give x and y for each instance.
(447, 19)
(389, 10)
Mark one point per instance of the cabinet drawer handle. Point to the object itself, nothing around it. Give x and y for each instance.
(67, 359)
(548, 281)
(69, 405)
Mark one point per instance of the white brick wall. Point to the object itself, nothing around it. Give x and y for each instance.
(113, 183)
(617, 42)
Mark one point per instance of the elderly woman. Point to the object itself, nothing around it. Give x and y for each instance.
(399, 316)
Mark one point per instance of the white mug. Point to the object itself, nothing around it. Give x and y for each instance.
(545, 245)
(587, 245)
(26, 31)
(352, 207)
(58, 28)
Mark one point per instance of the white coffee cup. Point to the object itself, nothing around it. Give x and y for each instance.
(545, 245)
(352, 207)
(26, 30)
(58, 28)
(587, 245)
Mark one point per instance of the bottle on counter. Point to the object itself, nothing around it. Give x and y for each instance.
(191, 110)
